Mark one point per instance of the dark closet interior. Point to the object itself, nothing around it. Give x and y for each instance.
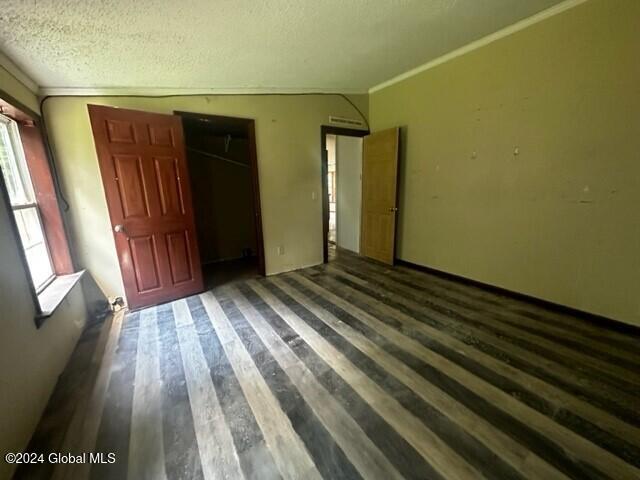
(220, 170)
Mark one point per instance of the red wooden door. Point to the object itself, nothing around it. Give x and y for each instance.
(144, 172)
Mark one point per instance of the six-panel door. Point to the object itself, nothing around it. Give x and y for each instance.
(143, 167)
(379, 195)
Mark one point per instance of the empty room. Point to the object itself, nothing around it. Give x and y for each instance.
(320, 240)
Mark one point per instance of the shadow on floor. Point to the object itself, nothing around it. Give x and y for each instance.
(221, 273)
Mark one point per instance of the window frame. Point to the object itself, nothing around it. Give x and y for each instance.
(24, 176)
(40, 164)
(18, 151)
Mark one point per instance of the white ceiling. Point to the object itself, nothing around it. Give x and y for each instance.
(337, 45)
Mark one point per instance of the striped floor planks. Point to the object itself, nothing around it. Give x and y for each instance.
(356, 370)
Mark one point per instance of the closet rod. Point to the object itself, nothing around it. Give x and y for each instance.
(217, 157)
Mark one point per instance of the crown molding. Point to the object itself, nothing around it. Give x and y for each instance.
(504, 32)
(162, 92)
(7, 64)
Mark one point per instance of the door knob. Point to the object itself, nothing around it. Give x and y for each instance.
(118, 228)
(393, 209)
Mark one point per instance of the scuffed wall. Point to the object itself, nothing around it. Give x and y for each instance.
(521, 164)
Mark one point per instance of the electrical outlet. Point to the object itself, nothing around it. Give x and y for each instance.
(281, 250)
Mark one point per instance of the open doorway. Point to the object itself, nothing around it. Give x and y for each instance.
(331, 187)
(221, 156)
(342, 188)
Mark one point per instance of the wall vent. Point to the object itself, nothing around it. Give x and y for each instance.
(346, 122)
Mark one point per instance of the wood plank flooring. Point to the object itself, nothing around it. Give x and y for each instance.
(357, 370)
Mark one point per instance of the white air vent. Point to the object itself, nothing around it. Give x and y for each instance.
(345, 122)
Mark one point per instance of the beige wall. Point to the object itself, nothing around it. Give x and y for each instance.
(17, 90)
(288, 143)
(31, 358)
(559, 221)
(348, 153)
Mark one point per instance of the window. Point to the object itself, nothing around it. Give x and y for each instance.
(24, 205)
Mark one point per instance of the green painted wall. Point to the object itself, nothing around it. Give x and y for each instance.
(288, 145)
(17, 90)
(31, 358)
(561, 220)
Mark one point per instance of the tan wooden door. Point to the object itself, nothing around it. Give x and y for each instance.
(146, 182)
(379, 195)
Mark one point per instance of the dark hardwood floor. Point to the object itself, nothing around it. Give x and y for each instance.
(358, 370)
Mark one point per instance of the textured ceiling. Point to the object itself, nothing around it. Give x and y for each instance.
(288, 44)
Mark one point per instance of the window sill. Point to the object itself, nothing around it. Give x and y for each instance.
(52, 296)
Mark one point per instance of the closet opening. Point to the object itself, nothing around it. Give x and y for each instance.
(222, 162)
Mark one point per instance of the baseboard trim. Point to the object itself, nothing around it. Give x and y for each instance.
(599, 320)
